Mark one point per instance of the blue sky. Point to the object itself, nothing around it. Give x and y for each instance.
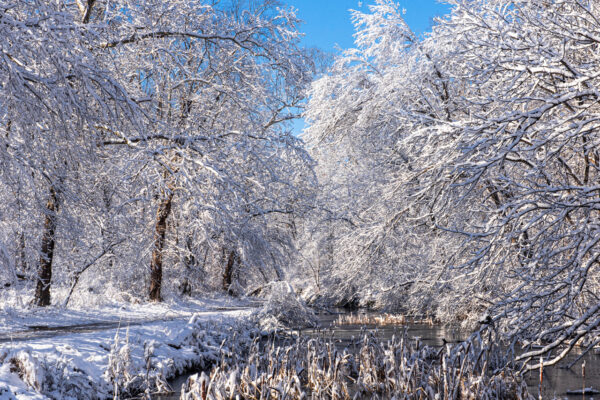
(327, 22)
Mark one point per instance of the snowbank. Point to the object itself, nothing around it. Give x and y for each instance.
(152, 344)
(133, 359)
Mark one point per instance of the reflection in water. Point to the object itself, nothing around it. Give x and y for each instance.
(557, 381)
(427, 334)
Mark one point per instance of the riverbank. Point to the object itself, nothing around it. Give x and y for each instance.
(433, 341)
(132, 348)
(92, 359)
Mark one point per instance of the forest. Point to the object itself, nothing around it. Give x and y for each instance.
(147, 153)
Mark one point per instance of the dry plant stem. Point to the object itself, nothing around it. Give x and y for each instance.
(400, 368)
(541, 385)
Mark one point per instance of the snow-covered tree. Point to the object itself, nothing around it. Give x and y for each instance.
(220, 83)
(373, 97)
(524, 160)
(56, 100)
(477, 146)
(145, 133)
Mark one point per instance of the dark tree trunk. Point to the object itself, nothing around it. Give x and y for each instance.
(228, 273)
(159, 242)
(22, 269)
(42, 291)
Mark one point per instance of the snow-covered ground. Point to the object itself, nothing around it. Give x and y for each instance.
(15, 321)
(148, 344)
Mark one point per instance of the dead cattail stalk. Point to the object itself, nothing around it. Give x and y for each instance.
(541, 385)
(583, 379)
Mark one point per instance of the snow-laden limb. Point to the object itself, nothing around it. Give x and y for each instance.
(131, 360)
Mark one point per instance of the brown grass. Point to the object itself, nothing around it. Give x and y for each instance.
(400, 369)
(382, 320)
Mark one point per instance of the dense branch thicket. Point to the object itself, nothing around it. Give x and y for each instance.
(465, 167)
(148, 141)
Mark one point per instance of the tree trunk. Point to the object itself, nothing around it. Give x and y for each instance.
(159, 242)
(228, 273)
(22, 268)
(42, 291)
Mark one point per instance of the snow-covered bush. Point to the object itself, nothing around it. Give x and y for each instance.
(55, 377)
(284, 309)
(26, 366)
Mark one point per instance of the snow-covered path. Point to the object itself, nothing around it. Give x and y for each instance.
(14, 321)
(49, 331)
